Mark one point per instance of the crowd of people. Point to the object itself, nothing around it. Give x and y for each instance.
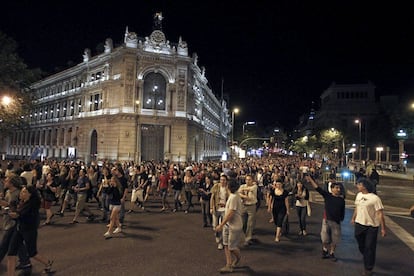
(229, 193)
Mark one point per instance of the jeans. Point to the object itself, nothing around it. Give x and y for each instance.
(177, 202)
(302, 213)
(189, 198)
(366, 237)
(105, 205)
(205, 210)
(217, 218)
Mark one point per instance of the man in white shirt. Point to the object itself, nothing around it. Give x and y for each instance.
(231, 227)
(219, 195)
(368, 217)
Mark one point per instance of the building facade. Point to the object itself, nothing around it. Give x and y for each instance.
(145, 100)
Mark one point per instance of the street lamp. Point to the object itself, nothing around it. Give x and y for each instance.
(6, 100)
(357, 121)
(235, 111)
(379, 151)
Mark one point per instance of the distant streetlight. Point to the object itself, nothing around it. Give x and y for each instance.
(357, 121)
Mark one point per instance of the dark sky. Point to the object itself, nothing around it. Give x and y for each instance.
(275, 57)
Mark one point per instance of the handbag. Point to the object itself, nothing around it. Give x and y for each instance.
(308, 208)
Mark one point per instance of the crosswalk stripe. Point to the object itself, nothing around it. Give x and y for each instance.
(403, 235)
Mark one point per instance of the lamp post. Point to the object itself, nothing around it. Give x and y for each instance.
(357, 121)
(235, 111)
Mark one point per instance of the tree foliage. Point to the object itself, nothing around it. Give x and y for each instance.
(15, 79)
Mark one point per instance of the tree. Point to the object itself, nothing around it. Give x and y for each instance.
(15, 79)
(330, 139)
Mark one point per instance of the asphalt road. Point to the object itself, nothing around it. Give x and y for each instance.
(167, 243)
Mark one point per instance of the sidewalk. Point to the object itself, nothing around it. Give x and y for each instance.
(409, 175)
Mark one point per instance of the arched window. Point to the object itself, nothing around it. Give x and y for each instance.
(154, 91)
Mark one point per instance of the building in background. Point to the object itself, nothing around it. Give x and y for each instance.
(145, 100)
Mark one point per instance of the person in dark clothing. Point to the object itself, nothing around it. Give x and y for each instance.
(27, 215)
(334, 213)
(374, 177)
(9, 203)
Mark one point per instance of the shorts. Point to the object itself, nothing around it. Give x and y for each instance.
(330, 232)
(115, 207)
(70, 196)
(231, 237)
(137, 194)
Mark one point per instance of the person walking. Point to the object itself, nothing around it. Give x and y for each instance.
(27, 215)
(177, 186)
(279, 206)
(368, 217)
(8, 204)
(115, 191)
(248, 194)
(81, 189)
(205, 196)
(334, 213)
(231, 227)
(302, 197)
(219, 196)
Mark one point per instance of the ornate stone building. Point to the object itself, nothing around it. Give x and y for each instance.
(145, 100)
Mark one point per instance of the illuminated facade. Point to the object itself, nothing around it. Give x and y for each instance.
(145, 100)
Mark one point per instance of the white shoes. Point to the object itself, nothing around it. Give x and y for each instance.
(107, 234)
(220, 246)
(117, 230)
(304, 232)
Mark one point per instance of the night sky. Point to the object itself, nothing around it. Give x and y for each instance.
(275, 57)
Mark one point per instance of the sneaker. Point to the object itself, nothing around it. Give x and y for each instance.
(117, 230)
(174, 210)
(217, 239)
(48, 267)
(236, 262)
(186, 211)
(304, 232)
(325, 254)
(226, 269)
(108, 225)
(332, 257)
(300, 233)
(220, 246)
(23, 266)
(107, 234)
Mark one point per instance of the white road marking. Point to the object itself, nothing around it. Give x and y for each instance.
(403, 235)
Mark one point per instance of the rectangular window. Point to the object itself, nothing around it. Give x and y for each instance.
(96, 101)
(72, 108)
